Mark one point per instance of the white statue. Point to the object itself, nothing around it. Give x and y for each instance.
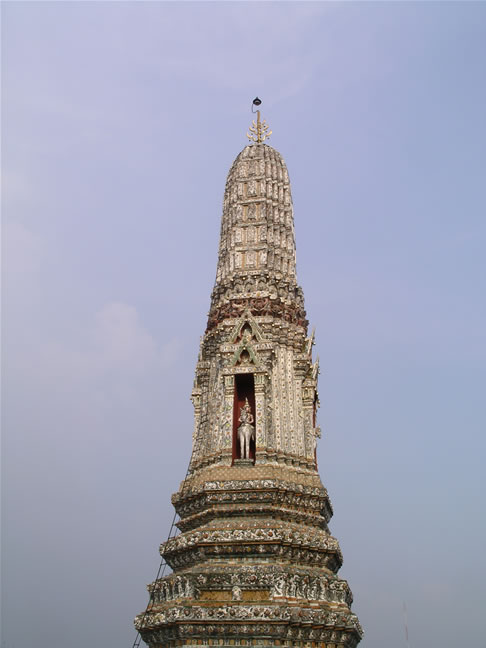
(279, 587)
(246, 430)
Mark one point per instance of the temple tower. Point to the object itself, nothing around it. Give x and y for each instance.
(254, 563)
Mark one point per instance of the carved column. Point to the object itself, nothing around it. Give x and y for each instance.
(229, 395)
(308, 395)
(260, 419)
(196, 401)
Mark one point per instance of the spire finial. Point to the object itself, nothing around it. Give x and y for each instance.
(258, 131)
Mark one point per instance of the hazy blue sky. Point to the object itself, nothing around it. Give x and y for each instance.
(120, 123)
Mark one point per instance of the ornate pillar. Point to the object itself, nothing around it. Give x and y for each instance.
(227, 424)
(308, 395)
(260, 419)
(196, 401)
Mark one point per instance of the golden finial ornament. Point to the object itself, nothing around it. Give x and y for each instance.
(259, 130)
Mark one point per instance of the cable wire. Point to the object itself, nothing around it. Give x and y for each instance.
(163, 563)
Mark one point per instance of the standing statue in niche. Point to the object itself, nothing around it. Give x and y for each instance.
(246, 430)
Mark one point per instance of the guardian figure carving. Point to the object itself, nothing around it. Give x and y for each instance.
(246, 430)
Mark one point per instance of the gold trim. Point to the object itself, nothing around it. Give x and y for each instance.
(259, 130)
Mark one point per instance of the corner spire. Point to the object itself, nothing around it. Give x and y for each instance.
(259, 130)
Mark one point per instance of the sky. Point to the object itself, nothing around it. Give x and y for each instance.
(120, 121)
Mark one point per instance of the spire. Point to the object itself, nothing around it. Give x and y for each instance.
(254, 562)
(257, 227)
(258, 131)
(257, 256)
(257, 260)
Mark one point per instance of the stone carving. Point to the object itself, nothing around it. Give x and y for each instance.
(265, 530)
(258, 307)
(236, 593)
(230, 612)
(246, 430)
(282, 584)
(288, 637)
(314, 547)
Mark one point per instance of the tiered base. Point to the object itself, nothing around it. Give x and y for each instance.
(255, 565)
